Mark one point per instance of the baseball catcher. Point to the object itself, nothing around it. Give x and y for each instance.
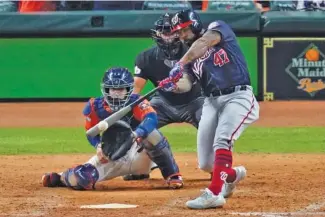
(127, 147)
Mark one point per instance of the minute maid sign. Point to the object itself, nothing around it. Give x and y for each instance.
(308, 70)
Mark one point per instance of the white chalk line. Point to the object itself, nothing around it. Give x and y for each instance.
(313, 207)
(278, 214)
(309, 210)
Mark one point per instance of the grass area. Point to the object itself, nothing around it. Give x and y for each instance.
(182, 139)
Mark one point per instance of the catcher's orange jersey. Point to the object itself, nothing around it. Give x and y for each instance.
(141, 110)
(97, 109)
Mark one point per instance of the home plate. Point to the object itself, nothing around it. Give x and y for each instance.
(109, 206)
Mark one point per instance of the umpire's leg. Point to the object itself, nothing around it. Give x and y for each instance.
(191, 113)
(165, 115)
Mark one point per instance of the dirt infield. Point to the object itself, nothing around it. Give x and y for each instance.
(276, 184)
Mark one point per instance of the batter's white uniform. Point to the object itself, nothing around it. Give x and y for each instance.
(223, 120)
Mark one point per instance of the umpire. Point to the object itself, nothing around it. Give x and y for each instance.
(154, 64)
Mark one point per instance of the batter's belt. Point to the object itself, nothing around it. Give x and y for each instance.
(228, 90)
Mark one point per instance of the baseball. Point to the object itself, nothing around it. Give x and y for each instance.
(102, 126)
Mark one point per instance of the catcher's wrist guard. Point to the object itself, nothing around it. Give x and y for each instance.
(139, 132)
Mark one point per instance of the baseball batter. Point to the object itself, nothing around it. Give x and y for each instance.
(153, 65)
(229, 106)
(129, 146)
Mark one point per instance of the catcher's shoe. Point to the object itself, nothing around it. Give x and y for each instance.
(130, 177)
(52, 180)
(175, 182)
(228, 188)
(207, 200)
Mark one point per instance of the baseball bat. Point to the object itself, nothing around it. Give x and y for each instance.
(113, 118)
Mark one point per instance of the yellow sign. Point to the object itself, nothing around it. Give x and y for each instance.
(308, 70)
(303, 61)
(311, 86)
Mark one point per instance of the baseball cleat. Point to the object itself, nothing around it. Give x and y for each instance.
(175, 182)
(131, 177)
(207, 200)
(228, 188)
(52, 180)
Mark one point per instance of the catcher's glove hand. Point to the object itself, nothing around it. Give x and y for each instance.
(117, 140)
(100, 154)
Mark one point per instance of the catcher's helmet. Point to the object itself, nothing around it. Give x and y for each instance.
(116, 87)
(187, 18)
(167, 41)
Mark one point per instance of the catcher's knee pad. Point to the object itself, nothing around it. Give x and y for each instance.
(82, 177)
(154, 137)
(162, 155)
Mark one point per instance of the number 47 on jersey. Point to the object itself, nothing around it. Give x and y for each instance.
(220, 58)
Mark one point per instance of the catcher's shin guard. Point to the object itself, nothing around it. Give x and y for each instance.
(162, 155)
(82, 177)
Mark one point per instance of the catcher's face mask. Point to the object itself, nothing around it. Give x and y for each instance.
(117, 97)
(116, 87)
(117, 93)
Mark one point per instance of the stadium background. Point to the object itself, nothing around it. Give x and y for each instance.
(60, 56)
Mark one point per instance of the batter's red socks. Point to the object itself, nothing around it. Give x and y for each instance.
(222, 170)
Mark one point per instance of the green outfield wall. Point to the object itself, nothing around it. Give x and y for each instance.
(73, 67)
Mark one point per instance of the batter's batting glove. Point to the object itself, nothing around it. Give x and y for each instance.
(176, 72)
(168, 85)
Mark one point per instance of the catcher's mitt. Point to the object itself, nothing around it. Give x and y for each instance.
(117, 140)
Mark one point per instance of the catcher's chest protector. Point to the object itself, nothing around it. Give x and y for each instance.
(102, 112)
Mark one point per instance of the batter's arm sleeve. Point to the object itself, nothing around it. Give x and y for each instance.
(91, 120)
(148, 117)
